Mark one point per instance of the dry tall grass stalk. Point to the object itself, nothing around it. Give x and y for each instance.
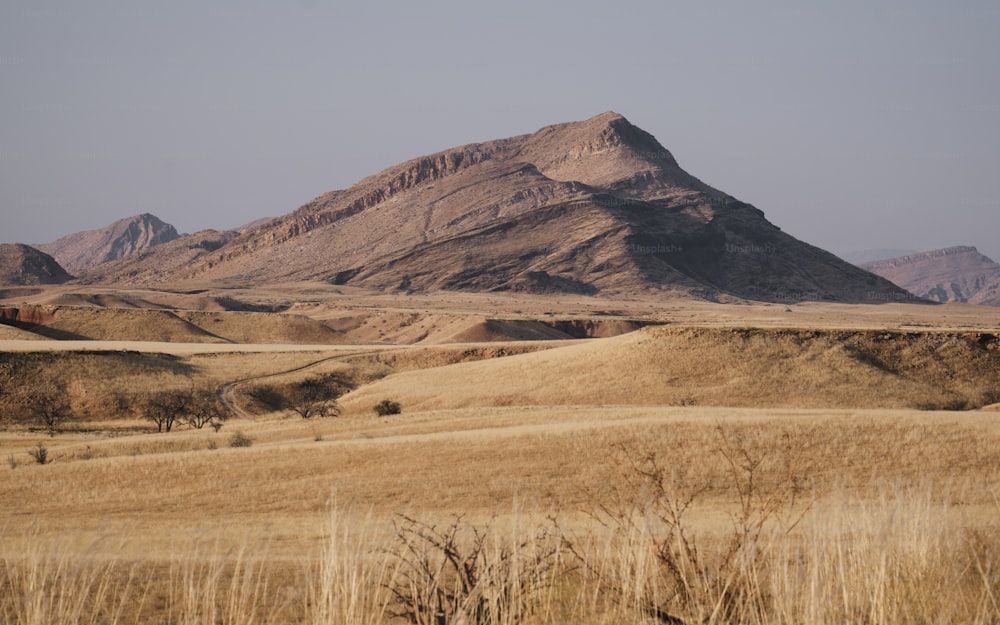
(231, 589)
(48, 583)
(899, 559)
(346, 583)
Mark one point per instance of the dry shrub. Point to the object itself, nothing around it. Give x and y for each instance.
(655, 562)
(464, 574)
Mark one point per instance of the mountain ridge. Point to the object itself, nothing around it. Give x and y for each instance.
(596, 206)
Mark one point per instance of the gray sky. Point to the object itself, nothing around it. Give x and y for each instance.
(852, 125)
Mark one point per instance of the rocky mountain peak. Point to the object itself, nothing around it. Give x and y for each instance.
(81, 251)
(588, 207)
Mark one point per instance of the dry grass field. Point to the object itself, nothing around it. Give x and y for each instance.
(715, 472)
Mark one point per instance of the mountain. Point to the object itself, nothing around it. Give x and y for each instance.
(24, 265)
(82, 250)
(597, 206)
(153, 264)
(953, 274)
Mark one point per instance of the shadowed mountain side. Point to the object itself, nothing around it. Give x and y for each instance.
(590, 207)
(22, 265)
(718, 366)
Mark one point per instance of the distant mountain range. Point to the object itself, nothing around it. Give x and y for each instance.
(954, 274)
(592, 207)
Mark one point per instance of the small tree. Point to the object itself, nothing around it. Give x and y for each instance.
(165, 408)
(387, 407)
(46, 406)
(205, 409)
(315, 397)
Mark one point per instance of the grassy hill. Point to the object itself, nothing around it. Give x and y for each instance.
(720, 367)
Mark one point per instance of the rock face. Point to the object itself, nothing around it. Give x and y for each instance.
(24, 265)
(591, 207)
(954, 274)
(81, 251)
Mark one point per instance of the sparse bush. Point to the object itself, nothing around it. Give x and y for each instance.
(387, 407)
(239, 439)
(664, 568)
(12, 461)
(39, 453)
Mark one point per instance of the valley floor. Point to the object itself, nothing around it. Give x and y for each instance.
(681, 493)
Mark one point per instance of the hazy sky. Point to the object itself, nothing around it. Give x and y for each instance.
(852, 125)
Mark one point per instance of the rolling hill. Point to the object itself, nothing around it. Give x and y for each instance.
(748, 367)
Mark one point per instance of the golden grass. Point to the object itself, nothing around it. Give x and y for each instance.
(298, 530)
(722, 367)
(126, 526)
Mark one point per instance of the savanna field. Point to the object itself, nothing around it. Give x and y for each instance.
(713, 473)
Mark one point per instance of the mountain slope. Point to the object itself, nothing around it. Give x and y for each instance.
(954, 274)
(80, 251)
(23, 265)
(154, 264)
(597, 206)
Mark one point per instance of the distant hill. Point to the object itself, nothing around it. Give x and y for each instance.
(81, 251)
(867, 256)
(591, 207)
(24, 265)
(954, 274)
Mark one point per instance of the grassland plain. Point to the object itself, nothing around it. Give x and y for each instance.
(174, 504)
(708, 475)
